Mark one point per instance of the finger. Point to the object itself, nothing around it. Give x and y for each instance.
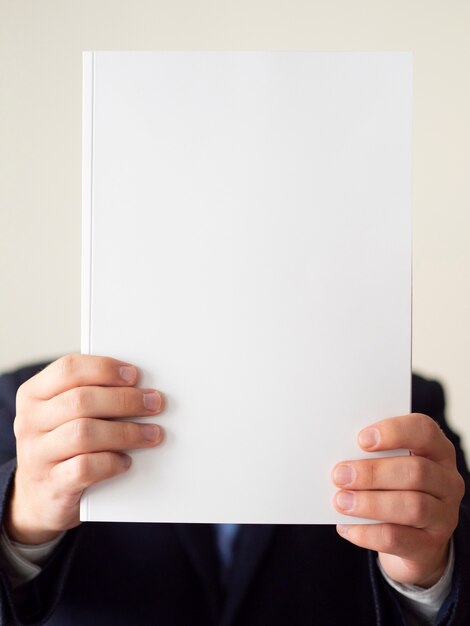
(419, 433)
(77, 473)
(412, 473)
(409, 508)
(86, 435)
(100, 402)
(402, 541)
(78, 370)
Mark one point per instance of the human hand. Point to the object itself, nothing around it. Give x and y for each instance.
(417, 497)
(65, 442)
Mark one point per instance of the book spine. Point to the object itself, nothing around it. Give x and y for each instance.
(87, 218)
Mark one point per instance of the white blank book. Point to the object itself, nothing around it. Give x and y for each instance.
(247, 244)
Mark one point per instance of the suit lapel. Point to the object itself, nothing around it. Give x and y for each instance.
(251, 545)
(198, 541)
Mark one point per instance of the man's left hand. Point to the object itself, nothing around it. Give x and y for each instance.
(416, 498)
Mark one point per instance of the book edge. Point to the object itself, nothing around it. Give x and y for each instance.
(87, 217)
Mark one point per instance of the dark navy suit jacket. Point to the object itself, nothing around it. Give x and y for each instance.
(168, 574)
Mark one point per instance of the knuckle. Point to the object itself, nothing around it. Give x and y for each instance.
(81, 432)
(429, 428)
(67, 365)
(78, 402)
(130, 434)
(417, 473)
(372, 470)
(389, 538)
(82, 470)
(100, 366)
(124, 401)
(417, 509)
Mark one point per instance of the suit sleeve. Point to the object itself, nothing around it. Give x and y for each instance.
(428, 398)
(31, 603)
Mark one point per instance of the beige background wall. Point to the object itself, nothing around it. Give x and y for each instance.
(40, 141)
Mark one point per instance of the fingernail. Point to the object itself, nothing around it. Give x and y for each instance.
(128, 373)
(150, 432)
(125, 460)
(345, 500)
(368, 438)
(342, 529)
(152, 401)
(343, 475)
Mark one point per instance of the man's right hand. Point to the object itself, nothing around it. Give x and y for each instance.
(66, 440)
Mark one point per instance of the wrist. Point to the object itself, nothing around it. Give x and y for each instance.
(21, 528)
(430, 580)
(415, 573)
(27, 534)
